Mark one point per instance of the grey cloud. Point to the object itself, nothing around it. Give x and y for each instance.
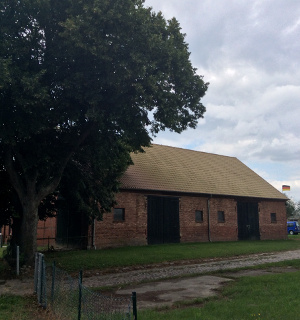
(249, 52)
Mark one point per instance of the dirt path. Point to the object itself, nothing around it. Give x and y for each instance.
(182, 268)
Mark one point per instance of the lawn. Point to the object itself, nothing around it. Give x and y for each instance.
(14, 308)
(73, 261)
(268, 297)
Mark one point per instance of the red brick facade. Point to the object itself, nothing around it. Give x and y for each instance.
(133, 230)
(6, 233)
(272, 230)
(46, 232)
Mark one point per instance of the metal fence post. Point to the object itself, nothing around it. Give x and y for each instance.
(53, 282)
(80, 294)
(44, 287)
(18, 260)
(134, 308)
(39, 284)
(36, 270)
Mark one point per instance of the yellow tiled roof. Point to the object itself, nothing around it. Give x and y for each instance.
(164, 168)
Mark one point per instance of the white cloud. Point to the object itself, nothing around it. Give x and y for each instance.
(249, 52)
(292, 28)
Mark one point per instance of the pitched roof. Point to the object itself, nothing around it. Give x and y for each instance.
(163, 168)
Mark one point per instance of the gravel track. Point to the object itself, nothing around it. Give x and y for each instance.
(170, 270)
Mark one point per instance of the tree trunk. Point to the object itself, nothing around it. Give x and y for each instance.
(29, 229)
(16, 231)
(32, 189)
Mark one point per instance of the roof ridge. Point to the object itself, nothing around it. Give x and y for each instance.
(192, 150)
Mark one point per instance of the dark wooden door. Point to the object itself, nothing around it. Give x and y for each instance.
(163, 220)
(248, 221)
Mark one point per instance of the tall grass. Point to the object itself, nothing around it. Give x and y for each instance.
(72, 261)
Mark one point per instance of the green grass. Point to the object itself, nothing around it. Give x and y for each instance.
(4, 268)
(73, 261)
(267, 297)
(1, 252)
(14, 308)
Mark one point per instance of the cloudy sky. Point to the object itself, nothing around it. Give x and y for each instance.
(249, 51)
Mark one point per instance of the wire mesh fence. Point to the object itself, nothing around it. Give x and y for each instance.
(69, 299)
(98, 306)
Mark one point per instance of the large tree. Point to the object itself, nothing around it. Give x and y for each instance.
(74, 70)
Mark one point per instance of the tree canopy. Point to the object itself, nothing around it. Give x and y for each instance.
(81, 75)
(292, 209)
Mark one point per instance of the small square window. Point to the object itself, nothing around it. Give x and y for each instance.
(273, 217)
(221, 216)
(119, 214)
(199, 216)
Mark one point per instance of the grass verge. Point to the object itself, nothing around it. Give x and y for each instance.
(268, 297)
(73, 261)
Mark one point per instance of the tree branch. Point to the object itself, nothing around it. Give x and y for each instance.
(15, 179)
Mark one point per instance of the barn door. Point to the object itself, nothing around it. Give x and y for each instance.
(248, 223)
(163, 220)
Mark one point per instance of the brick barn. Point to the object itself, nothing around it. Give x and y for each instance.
(175, 195)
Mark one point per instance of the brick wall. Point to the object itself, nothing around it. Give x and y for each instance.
(227, 230)
(192, 231)
(6, 233)
(133, 230)
(46, 232)
(272, 230)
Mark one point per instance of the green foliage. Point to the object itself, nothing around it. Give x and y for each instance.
(68, 63)
(91, 177)
(290, 208)
(9, 202)
(293, 209)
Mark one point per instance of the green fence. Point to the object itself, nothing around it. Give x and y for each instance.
(69, 299)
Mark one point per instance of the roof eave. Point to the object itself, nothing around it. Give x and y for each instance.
(201, 194)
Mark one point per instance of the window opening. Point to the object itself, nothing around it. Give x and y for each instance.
(199, 216)
(119, 214)
(273, 217)
(221, 216)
